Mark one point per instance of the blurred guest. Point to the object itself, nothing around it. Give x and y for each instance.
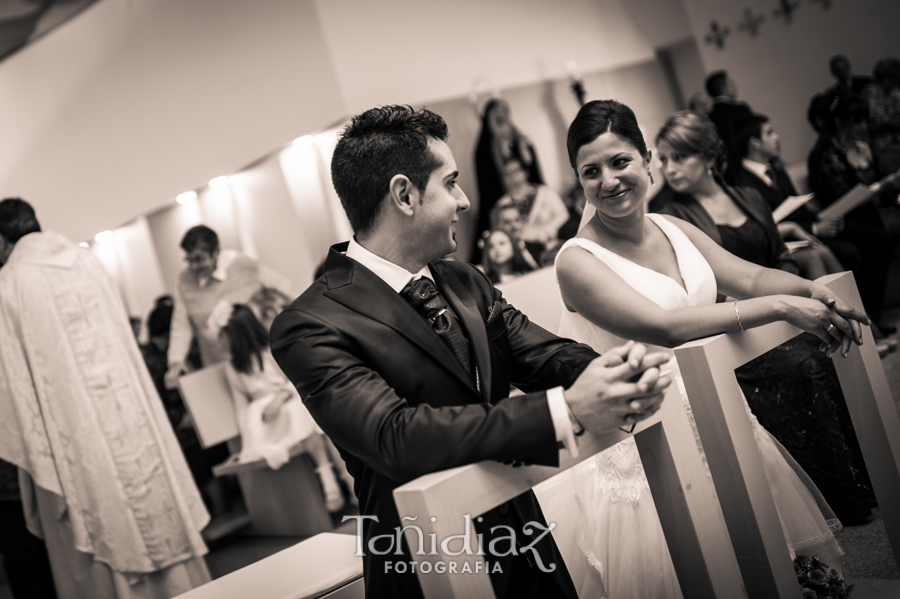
(848, 85)
(500, 140)
(761, 169)
(270, 414)
(210, 277)
(575, 202)
(700, 103)
(793, 390)
(135, 323)
(505, 216)
(200, 461)
(543, 211)
(503, 260)
(725, 113)
(840, 160)
(883, 102)
(24, 555)
(110, 492)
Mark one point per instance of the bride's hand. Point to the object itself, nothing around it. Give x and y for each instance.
(836, 324)
(619, 388)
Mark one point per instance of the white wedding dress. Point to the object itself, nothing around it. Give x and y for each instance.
(617, 530)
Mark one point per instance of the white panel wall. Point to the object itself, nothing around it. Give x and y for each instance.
(406, 51)
(133, 101)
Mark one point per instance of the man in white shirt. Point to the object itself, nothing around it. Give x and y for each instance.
(212, 275)
(405, 360)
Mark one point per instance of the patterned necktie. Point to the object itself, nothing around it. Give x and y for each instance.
(423, 295)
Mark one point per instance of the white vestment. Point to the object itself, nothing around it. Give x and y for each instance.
(80, 415)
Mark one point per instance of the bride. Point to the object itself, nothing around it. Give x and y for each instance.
(654, 279)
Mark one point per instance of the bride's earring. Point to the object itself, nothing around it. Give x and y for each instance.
(649, 172)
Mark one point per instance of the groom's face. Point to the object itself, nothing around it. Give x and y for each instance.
(440, 205)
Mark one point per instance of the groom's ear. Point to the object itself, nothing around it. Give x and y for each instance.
(402, 194)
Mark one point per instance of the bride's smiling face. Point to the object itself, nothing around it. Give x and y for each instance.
(614, 175)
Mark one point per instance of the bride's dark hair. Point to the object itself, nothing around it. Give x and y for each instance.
(599, 117)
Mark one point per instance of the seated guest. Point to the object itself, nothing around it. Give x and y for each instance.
(793, 390)
(210, 277)
(840, 160)
(500, 140)
(270, 414)
(726, 112)
(543, 211)
(883, 103)
(759, 147)
(503, 260)
(575, 202)
(505, 216)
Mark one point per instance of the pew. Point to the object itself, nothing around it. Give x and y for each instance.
(714, 546)
(283, 502)
(321, 567)
(707, 366)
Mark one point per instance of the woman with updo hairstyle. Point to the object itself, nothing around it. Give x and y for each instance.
(737, 218)
(793, 389)
(632, 275)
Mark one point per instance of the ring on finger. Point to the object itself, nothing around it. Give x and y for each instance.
(829, 327)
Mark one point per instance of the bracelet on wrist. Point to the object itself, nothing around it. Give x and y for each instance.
(738, 314)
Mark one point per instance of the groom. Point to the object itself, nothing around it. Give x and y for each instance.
(406, 360)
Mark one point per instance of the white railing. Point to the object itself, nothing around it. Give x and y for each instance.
(715, 544)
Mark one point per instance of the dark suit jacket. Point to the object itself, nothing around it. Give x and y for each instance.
(774, 196)
(398, 404)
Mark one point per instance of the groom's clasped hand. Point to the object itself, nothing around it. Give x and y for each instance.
(620, 388)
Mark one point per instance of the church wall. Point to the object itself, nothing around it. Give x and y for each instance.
(780, 70)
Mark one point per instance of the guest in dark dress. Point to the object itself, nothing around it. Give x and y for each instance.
(840, 160)
(499, 141)
(882, 100)
(793, 390)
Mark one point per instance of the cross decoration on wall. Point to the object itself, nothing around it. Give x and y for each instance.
(717, 34)
(752, 21)
(786, 10)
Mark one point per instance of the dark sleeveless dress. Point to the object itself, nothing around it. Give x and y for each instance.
(794, 392)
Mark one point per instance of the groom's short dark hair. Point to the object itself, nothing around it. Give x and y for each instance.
(375, 146)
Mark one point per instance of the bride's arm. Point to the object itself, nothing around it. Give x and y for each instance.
(595, 291)
(742, 279)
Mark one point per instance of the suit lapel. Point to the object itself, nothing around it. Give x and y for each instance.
(465, 307)
(356, 287)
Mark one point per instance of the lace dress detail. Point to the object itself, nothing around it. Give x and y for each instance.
(619, 535)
